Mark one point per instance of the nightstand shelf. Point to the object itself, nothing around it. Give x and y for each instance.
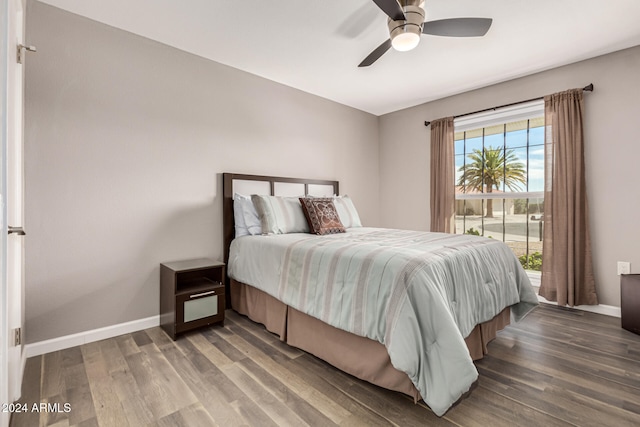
(196, 285)
(192, 295)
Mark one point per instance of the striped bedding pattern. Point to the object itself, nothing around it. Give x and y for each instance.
(417, 293)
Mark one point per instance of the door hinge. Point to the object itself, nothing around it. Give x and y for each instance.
(22, 48)
(17, 336)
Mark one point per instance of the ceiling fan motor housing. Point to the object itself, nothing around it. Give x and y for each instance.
(410, 28)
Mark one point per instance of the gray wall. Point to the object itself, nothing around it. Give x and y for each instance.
(125, 142)
(612, 155)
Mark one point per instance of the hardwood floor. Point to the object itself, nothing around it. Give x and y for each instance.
(557, 367)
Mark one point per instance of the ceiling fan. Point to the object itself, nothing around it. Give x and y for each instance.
(406, 24)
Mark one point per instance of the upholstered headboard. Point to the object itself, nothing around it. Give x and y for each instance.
(265, 185)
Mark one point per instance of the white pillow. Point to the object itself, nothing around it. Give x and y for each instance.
(347, 211)
(251, 218)
(238, 216)
(245, 215)
(280, 215)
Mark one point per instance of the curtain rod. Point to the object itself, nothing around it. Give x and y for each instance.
(588, 88)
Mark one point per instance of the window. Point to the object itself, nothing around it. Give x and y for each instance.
(499, 167)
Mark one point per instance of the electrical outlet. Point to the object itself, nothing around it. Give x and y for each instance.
(624, 267)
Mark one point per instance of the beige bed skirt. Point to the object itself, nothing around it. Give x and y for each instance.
(342, 349)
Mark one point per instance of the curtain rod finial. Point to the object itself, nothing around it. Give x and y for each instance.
(426, 123)
(588, 88)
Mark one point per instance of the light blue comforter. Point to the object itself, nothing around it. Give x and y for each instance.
(417, 293)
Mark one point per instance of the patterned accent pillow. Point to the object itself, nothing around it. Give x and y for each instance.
(321, 215)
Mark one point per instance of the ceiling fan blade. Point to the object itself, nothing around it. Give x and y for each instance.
(392, 8)
(458, 27)
(376, 54)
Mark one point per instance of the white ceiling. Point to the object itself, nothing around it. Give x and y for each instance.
(315, 46)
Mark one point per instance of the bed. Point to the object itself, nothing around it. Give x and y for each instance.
(413, 321)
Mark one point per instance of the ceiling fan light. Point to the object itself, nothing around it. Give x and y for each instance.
(405, 34)
(405, 41)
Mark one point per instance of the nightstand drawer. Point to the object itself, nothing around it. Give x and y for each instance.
(201, 308)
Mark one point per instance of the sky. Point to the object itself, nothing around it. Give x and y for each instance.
(516, 141)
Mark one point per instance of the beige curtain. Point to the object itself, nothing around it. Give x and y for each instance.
(567, 271)
(442, 176)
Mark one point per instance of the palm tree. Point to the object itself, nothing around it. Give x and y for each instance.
(488, 169)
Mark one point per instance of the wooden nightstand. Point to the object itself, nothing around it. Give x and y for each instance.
(191, 295)
(630, 302)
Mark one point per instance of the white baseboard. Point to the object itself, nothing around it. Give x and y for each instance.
(607, 310)
(68, 341)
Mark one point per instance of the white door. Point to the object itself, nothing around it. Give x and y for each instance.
(11, 192)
